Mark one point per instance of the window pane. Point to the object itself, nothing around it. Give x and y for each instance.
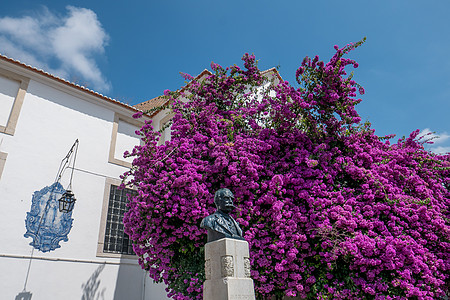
(116, 240)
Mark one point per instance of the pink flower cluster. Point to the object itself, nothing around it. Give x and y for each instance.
(329, 208)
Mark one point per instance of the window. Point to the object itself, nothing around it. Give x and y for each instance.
(113, 241)
(116, 240)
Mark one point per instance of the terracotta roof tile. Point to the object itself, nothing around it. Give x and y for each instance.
(152, 103)
(160, 100)
(274, 71)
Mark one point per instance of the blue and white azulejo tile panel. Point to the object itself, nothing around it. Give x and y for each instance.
(44, 222)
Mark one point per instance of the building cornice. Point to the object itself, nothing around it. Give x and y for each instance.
(74, 89)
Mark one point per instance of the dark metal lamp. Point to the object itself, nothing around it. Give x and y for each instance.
(67, 202)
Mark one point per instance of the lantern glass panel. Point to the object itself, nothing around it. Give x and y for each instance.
(67, 202)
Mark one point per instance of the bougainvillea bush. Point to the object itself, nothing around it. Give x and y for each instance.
(330, 210)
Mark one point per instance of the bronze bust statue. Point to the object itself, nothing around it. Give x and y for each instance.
(220, 224)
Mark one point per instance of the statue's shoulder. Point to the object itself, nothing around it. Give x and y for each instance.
(209, 220)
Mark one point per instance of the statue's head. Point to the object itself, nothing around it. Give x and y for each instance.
(224, 200)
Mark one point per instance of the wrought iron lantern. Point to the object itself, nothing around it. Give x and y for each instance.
(67, 202)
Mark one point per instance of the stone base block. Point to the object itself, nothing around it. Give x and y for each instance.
(227, 270)
(229, 289)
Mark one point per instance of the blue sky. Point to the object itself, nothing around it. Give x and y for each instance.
(133, 50)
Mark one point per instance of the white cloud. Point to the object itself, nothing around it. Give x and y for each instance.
(441, 150)
(440, 140)
(65, 46)
(12, 50)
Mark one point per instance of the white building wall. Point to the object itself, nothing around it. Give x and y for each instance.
(7, 95)
(52, 117)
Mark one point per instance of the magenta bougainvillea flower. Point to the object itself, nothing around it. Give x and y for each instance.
(330, 210)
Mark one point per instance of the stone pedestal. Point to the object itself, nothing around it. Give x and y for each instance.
(227, 270)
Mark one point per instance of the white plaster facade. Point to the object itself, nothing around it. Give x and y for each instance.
(40, 118)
